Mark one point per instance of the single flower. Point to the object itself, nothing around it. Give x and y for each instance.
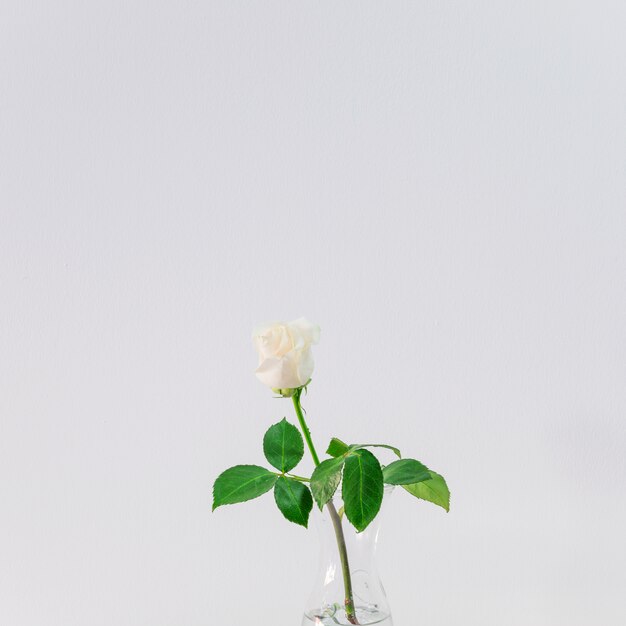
(285, 357)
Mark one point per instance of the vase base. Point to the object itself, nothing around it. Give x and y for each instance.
(335, 615)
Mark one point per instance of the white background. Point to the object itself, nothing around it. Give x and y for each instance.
(440, 185)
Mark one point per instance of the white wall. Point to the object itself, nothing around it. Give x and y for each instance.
(440, 185)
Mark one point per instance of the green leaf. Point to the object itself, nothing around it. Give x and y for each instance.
(293, 499)
(434, 490)
(325, 479)
(336, 447)
(362, 489)
(405, 472)
(241, 483)
(283, 446)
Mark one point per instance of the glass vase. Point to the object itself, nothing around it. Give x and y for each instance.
(327, 602)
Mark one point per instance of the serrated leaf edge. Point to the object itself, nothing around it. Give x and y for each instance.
(358, 454)
(288, 480)
(215, 506)
(339, 471)
(445, 508)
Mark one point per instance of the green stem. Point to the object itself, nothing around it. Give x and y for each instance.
(345, 565)
(305, 429)
(299, 478)
(334, 516)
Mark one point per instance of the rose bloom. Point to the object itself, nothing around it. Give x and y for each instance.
(285, 358)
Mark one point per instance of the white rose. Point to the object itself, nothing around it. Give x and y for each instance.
(285, 358)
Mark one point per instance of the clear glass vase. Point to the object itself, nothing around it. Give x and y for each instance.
(327, 603)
